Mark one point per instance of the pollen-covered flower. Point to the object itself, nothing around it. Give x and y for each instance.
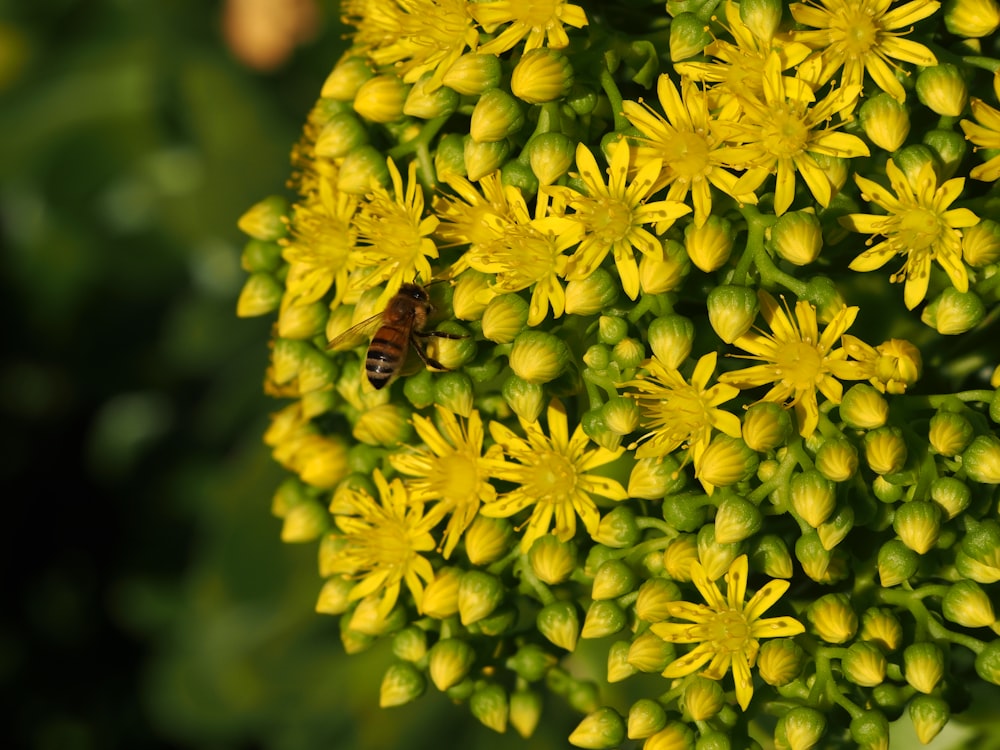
(679, 413)
(552, 474)
(726, 629)
(689, 143)
(450, 470)
(383, 542)
(918, 225)
(614, 216)
(538, 22)
(985, 133)
(797, 359)
(856, 36)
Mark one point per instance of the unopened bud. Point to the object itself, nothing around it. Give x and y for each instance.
(614, 578)
(896, 563)
(953, 312)
(715, 556)
(918, 524)
(602, 729)
(674, 736)
(479, 594)
(542, 75)
(732, 311)
(472, 74)
(266, 219)
(489, 704)
(559, 623)
(726, 461)
(618, 528)
(525, 711)
(671, 338)
(898, 365)
(951, 495)
(655, 595)
(885, 450)
(603, 618)
(531, 662)
(593, 294)
(800, 729)
(864, 664)
(334, 597)
(981, 243)
(942, 89)
(525, 399)
(261, 294)
(538, 357)
(426, 101)
(832, 618)
(882, 628)
(988, 662)
(380, 99)
(679, 555)
(650, 653)
(968, 605)
(496, 115)
(401, 684)
(870, 730)
(981, 460)
(689, 35)
(813, 497)
(709, 245)
(836, 527)
(771, 556)
(949, 433)
(923, 666)
(780, 661)
(646, 717)
(863, 407)
(362, 169)
(837, 460)
(797, 237)
(664, 273)
(483, 157)
(929, 714)
(346, 78)
(885, 121)
(618, 667)
(654, 478)
(449, 661)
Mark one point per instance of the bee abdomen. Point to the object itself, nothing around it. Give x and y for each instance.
(384, 356)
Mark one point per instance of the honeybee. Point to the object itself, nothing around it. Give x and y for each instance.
(399, 327)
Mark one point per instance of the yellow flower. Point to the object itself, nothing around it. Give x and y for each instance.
(918, 225)
(394, 236)
(864, 35)
(383, 540)
(613, 216)
(985, 133)
(782, 129)
(538, 22)
(689, 144)
(449, 470)
(679, 414)
(726, 629)
(797, 359)
(552, 477)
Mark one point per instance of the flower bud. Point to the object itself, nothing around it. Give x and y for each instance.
(771, 556)
(702, 698)
(898, 365)
(401, 684)
(674, 736)
(472, 74)
(380, 99)
(679, 555)
(618, 667)
(614, 578)
(346, 78)
(951, 495)
(504, 318)
(896, 563)
(550, 156)
(581, 695)
(628, 353)
(611, 329)
(303, 322)
(650, 653)
(525, 711)
(517, 174)
(981, 460)
(531, 662)
(797, 237)
(525, 399)
(715, 556)
(981, 548)
(863, 407)
(836, 528)
(813, 496)
(762, 17)
(780, 661)
(558, 622)
(618, 528)
(923, 666)
(824, 294)
(496, 116)
(449, 661)
(596, 428)
(953, 312)
(489, 704)
(885, 450)
(814, 558)
(552, 560)
(304, 522)
(653, 478)
(882, 628)
(912, 159)
(449, 156)
(454, 392)
(726, 461)
(981, 244)
(837, 460)
(646, 717)
(942, 89)
(386, 424)
(483, 157)
(799, 729)
(655, 594)
(949, 433)
(968, 605)
(591, 295)
(929, 715)
(870, 730)
(671, 338)
(864, 664)
(538, 357)
(918, 524)
(266, 220)
(832, 618)
(340, 135)
(736, 519)
(988, 662)
(542, 75)
(950, 149)
(732, 310)
(604, 728)
(885, 491)
(353, 641)
(766, 426)
(971, 19)
(603, 618)
(487, 539)
(410, 644)
(426, 101)
(362, 168)
(261, 294)
(664, 273)
(689, 35)
(334, 597)
(885, 121)
(621, 416)
(709, 245)
(479, 594)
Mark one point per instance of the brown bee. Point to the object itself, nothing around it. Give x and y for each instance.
(400, 326)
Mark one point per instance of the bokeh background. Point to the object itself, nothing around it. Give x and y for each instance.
(147, 600)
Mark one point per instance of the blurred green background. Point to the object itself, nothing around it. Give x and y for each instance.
(149, 601)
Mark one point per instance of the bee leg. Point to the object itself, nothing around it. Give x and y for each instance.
(440, 335)
(428, 360)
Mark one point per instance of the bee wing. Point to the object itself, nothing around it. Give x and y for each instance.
(352, 337)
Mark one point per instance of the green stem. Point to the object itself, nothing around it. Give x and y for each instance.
(542, 592)
(615, 99)
(757, 225)
(985, 63)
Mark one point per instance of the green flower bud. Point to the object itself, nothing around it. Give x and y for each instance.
(303, 322)
(487, 539)
(362, 168)
(654, 478)
(689, 35)
(603, 618)
(885, 121)
(929, 715)
(618, 528)
(504, 318)
(628, 353)
(953, 312)
(797, 237)
(531, 662)
(346, 78)
(664, 273)
(611, 329)
(410, 644)
(525, 711)
(380, 99)
(334, 597)
(449, 156)
(646, 717)
(702, 698)
(864, 664)
(824, 294)
(837, 460)
(259, 256)
(483, 157)
(596, 428)
(988, 662)
(679, 555)
(762, 17)
(981, 547)
(304, 522)
(885, 491)
(525, 399)
(489, 704)
(981, 244)
(542, 75)
(353, 641)
(799, 729)
(604, 728)
(918, 524)
(266, 220)
(710, 245)
(538, 357)
(714, 555)
(558, 622)
(552, 560)
(813, 497)
(454, 391)
(890, 699)
(950, 148)
(479, 594)
(591, 295)
(726, 461)
(386, 424)
(732, 310)
(949, 433)
(971, 19)
(832, 618)
(813, 556)
(614, 578)
(462, 691)
(401, 684)
(942, 89)
(896, 563)
(440, 598)
(517, 174)
(912, 159)
(550, 156)
(471, 296)
(995, 401)
(864, 408)
(472, 74)
(655, 594)
(780, 661)
(885, 450)
(261, 294)
(339, 136)
(496, 116)
(870, 730)
(771, 556)
(597, 357)
(618, 666)
(449, 661)
(923, 666)
(968, 605)
(766, 426)
(674, 736)
(426, 102)
(882, 628)
(981, 460)
(671, 338)
(650, 653)
(621, 416)
(736, 519)
(836, 528)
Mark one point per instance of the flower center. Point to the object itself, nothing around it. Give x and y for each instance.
(390, 547)
(553, 478)
(687, 155)
(785, 134)
(919, 228)
(858, 30)
(611, 220)
(799, 363)
(458, 478)
(729, 631)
